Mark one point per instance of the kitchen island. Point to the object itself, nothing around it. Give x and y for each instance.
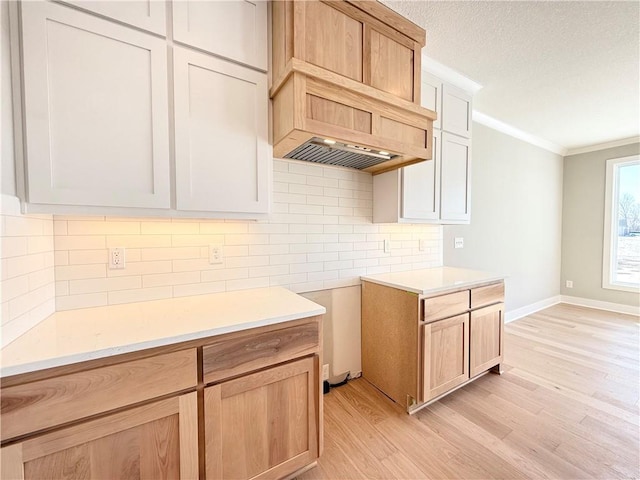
(221, 385)
(428, 332)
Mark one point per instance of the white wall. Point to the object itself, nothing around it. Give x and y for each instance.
(583, 226)
(516, 217)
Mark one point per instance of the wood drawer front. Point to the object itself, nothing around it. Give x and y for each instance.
(243, 353)
(445, 305)
(487, 295)
(55, 401)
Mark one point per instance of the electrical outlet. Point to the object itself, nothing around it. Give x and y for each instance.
(569, 283)
(215, 254)
(387, 246)
(458, 242)
(116, 258)
(422, 244)
(325, 371)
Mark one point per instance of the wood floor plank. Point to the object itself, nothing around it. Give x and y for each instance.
(565, 408)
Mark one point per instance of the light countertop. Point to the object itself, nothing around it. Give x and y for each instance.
(89, 333)
(430, 281)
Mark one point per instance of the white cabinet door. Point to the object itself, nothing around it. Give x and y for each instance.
(96, 110)
(431, 95)
(455, 178)
(145, 14)
(221, 135)
(421, 187)
(234, 29)
(456, 111)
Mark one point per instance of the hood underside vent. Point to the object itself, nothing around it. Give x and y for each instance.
(343, 155)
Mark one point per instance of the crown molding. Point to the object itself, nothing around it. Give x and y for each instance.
(602, 146)
(517, 133)
(449, 75)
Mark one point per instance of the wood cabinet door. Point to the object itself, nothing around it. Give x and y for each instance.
(234, 29)
(487, 338)
(392, 63)
(456, 111)
(263, 425)
(158, 440)
(95, 110)
(421, 187)
(222, 150)
(332, 38)
(455, 179)
(445, 354)
(145, 14)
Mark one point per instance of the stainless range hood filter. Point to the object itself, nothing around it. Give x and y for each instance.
(340, 154)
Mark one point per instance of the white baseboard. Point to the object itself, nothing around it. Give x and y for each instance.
(597, 304)
(532, 308)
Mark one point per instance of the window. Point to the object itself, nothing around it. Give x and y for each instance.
(621, 249)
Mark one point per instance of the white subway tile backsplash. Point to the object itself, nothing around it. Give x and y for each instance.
(94, 285)
(139, 295)
(319, 235)
(85, 257)
(161, 279)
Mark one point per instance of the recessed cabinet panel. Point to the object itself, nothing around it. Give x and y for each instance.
(262, 424)
(431, 95)
(487, 338)
(421, 187)
(391, 66)
(446, 355)
(332, 40)
(157, 440)
(96, 110)
(455, 178)
(456, 111)
(221, 135)
(234, 29)
(146, 14)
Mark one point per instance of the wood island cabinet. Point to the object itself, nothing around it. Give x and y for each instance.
(417, 348)
(239, 405)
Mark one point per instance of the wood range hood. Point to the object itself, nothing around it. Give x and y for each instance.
(346, 85)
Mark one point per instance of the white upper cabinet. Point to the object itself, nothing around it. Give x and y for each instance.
(431, 95)
(439, 190)
(148, 15)
(95, 110)
(222, 152)
(234, 29)
(455, 200)
(421, 187)
(456, 111)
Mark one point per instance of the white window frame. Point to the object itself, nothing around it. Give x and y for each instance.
(611, 231)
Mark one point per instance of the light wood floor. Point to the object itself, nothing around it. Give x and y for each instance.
(565, 408)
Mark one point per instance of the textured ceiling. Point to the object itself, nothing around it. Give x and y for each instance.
(565, 71)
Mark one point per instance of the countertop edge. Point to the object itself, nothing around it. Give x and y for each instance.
(436, 290)
(24, 368)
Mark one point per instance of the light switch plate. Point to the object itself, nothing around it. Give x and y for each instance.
(458, 242)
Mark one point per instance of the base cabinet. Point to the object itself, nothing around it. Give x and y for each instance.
(159, 440)
(262, 425)
(254, 395)
(418, 348)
